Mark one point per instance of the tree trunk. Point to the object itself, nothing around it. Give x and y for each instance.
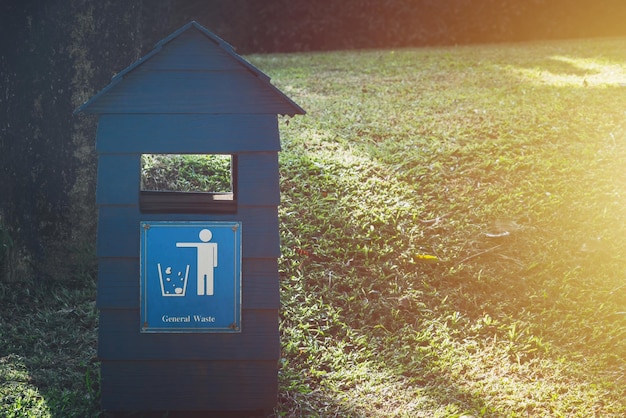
(54, 55)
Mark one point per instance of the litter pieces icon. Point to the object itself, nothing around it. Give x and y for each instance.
(173, 284)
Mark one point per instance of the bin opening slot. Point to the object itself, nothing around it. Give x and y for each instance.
(188, 183)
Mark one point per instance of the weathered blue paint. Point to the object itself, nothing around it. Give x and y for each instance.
(193, 134)
(154, 85)
(118, 179)
(190, 276)
(119, 289)
(191, 95)
(195, 385)
(258, 342)
(259, 179)
(118, 237)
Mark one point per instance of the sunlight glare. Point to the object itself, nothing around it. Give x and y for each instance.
(586, 73)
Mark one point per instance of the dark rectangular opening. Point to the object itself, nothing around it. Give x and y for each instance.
(188, 183)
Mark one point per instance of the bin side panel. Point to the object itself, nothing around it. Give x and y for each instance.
(118, 179)
(118, 229)
(187, 134)
(179, 91)
(194, 52)
(260, 283)
(258, 179)
(189, 385)
(118, 283)
(120, 339)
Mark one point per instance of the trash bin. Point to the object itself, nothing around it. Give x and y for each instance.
(188, 291)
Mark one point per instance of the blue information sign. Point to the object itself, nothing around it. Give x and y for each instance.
(190, 276)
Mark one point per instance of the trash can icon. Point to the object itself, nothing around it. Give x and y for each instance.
(173, 284)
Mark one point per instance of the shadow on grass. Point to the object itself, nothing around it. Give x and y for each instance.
(495, 132)
(47, 349)
(188, 414)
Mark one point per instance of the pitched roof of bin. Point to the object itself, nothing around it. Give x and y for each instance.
(191, 71)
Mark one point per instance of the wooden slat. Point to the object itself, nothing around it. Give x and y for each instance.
(234, 92)
(120, 339)
(118, 179)
(189, 386)
(118, 283)
(118, 229)
(260, 283)
(187, 134)
(258, 182)
(260, 235)
(186, 202)
(191, 51)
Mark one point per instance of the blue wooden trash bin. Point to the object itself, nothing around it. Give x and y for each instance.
(188, 290)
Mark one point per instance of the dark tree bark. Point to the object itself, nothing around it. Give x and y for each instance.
(54, 55)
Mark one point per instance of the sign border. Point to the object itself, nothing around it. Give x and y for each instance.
(145, 226)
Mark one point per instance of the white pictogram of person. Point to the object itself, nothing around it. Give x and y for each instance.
(207, 261)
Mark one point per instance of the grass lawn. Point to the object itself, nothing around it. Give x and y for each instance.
(454, 231)
(453, 225)
(48, 366)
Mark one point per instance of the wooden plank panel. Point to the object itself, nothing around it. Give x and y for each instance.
(258, 179)
(120, 339)
(189, 385)
(260, 235)
(119, 177)
(260, 285)
(118, 229)
(186, 202)
(191, 51)
(194, 133)
(235, 92)
(118, 283)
